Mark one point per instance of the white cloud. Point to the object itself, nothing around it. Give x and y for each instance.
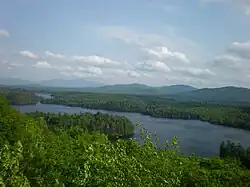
(133, 73)
(63, 68)
(16, 64)
(243, 4)
(227, 61)
(95, 60)
(29, 54)
(163, 53)
(79, 71)
(91, 70)
(124, 34)
(154, 66)
(171, 38)
(115, 74)
(80, 74)
(196, 72)
(4, 33)
(233, 66)
(42, 64)
(227, 58)
(55, 55)
(241, 49)
(65, 73)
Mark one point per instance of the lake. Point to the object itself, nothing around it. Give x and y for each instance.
(198, 137)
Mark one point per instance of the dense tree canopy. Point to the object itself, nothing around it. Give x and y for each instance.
(238, 117)
(114, 126)
(33, 154)
(17, 96)
(232, 150)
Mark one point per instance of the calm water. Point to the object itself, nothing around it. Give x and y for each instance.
(197, 137)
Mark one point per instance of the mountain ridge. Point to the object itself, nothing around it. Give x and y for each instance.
(226, 94)
(179, 92)
(70, 83)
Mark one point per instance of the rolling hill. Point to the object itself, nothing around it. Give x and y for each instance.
(14, 81)
(73, 83)
(141, 89)
(228, 95)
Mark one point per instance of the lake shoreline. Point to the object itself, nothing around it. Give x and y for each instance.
(194, 136)
(146, 114)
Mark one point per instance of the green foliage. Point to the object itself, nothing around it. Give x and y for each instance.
(10, 158)
(232, 150)
(113, 126)
(18, 96)
(33, 154)
(238, 117)
(227, 95)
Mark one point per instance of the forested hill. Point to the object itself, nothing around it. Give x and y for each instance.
(224, 95)
(17, 96)
(33, 154)
(220, 95)
(140, 89)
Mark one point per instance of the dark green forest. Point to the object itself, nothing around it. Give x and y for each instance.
(113, 126)
(34, 154)
(220, 114)
(233, 150)
(18, 96)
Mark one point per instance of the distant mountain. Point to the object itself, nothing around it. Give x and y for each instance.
(175, 89)
(93, 86)
(141, 89)
(73, 83)
(126, 89)
(14, 81)
(230, 94)
(224, 94)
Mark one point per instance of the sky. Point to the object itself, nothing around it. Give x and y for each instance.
(203, 43)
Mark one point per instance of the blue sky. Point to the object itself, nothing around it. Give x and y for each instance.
(204, 43)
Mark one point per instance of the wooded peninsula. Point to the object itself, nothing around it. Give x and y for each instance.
(220, 114)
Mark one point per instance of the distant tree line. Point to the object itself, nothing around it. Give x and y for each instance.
(238, 117)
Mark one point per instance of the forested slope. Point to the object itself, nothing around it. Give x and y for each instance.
(31, 154)
(227, 115)
(227, 95)
(18, 96)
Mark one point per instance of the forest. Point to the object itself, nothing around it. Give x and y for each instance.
(113, 126)
(232, 150)
(215, 113)
(32, 153)
(18, 96)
